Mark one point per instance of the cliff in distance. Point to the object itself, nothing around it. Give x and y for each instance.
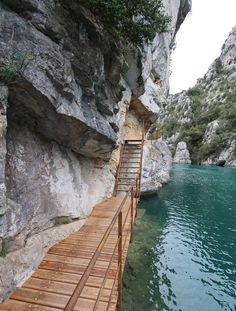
(204, 117)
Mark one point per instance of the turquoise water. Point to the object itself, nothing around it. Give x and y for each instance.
(184, 253)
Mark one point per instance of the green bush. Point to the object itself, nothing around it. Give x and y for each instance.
(194, 91)
(4, 250)
(62, 220)
(207, 116)
(218, 65)
(13, 66)
(169, 128)
(204, 152)
(8, 72)
(194, 134)
(217, 144)
(133, 20)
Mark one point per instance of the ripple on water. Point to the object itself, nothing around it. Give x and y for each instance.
(184, 253)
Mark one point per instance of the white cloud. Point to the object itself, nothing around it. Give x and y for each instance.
(199, 41)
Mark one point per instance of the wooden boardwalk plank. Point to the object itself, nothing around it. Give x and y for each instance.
(14, 305)
(57, 276)
(54, 282)
(42, 298)
(50, 286)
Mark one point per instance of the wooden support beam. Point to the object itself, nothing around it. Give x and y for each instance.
(120, 225)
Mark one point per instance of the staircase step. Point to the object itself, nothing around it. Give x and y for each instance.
(129, 167)
(132, 146)
(132, 153)
(130, 162)
(132, 149)
(133, 140)
(129, 173)
(128, 157)
(122, 184)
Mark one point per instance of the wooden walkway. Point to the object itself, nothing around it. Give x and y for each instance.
(84, 271)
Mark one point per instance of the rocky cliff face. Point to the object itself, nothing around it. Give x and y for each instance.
(182, 154)
(205, 116)
(78, 96)
(156, 62)
(156, 166)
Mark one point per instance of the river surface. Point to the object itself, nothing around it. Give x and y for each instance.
(184, 252)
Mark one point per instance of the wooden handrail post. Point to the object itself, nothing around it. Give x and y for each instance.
(141, 162)
(136, 197)
(132, 214)
(139, 185)
(118, 170)
(136, 188)
(119, 301)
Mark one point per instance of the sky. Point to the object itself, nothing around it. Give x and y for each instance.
(199, 41)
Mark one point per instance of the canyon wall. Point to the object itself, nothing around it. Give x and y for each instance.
(80, 93)
(204, 117)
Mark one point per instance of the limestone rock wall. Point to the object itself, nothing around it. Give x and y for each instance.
(3, 151)
(65, 115)
(71, 78)
(44, 181)
(156, 166)
(155, 59)
(182, 155)
(78, 95)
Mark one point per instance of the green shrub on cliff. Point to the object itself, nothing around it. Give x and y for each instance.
(8, 72)
(4, 250)
(133, 20)
(62, 220)
(13, 66)
(218, 65)
(194, 91)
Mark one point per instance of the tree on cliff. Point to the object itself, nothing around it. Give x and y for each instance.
(133, 21)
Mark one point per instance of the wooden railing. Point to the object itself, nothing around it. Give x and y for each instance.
(134, 193)
(118, 217)
(141, 161)
(119, 246)
(118, 169)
